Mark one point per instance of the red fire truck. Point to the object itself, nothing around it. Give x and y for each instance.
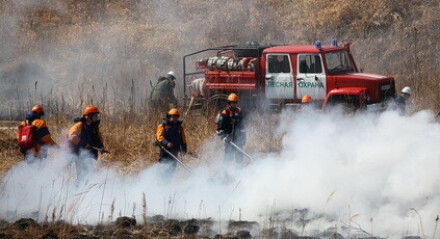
(282, 75)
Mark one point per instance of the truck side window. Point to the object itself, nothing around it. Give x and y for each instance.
(279, 64)
(310, 63)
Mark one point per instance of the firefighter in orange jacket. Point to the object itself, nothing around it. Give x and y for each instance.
(85, 135)
(170, 135)
(42, 134)
(230, 128)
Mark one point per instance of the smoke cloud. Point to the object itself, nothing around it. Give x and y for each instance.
(107, 52)
(369, 174)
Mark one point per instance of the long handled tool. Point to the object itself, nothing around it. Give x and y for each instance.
(241, 150)
(191, 102)
(101, 150)
(174, 157)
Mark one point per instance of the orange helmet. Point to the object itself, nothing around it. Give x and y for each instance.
(173, 112)
(38, 109)
(91, 110)
(233, 97)
(306, 99)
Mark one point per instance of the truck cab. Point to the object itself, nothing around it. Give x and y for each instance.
(294, 71)
(284, 74)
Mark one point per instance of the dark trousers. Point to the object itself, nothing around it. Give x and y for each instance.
(168, 159)
(31, 159)
(83, 162)
(232, 154)
(169, 164)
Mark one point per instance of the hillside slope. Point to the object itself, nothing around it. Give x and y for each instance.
(98, 51)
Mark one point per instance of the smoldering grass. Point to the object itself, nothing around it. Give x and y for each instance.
(359, 227)
(171, 204)
(112, 210)
(134, 210)
(75, 205)
(60, 214)
(88, 206)
(422, 234)
(328, 199)
(435, 227)
(200, 208)
(40, 201)
(102, 196)
(230, 219)
(144, 211)
(220, 219)
(54, 217)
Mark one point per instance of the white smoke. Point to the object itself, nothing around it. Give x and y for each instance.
(369, 174)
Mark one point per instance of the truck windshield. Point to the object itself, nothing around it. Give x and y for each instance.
(338, 62)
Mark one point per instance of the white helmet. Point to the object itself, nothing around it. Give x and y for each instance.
(407, 90)
(171, 73)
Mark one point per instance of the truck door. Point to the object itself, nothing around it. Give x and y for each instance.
(279, 77)
(311, 79)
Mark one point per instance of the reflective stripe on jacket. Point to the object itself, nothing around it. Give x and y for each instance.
(80, 135)
(168, 132)
(228, 121)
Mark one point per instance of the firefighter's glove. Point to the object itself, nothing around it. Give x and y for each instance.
(226, 139)
(184, 149)
(104, 151)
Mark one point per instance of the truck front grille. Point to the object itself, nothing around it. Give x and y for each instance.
(387, 90)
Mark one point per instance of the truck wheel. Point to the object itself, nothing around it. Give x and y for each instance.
(214, 104)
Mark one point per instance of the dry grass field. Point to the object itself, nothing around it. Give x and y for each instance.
(131, 142)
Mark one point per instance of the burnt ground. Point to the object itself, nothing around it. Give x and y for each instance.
(158, 227)
(125, 228)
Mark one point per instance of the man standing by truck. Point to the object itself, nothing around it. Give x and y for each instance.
(401, 100)
(230, 129)
(162, 93)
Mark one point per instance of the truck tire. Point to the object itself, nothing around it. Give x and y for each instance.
(214, 104)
